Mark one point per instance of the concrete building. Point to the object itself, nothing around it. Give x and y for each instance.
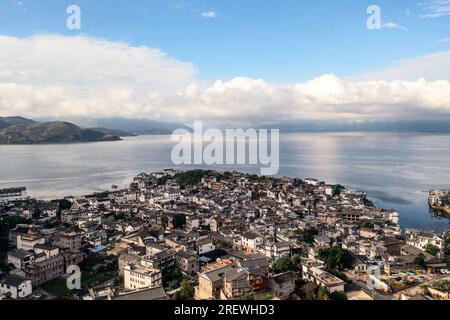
(18, 287)
(139, 277)
(29, 241)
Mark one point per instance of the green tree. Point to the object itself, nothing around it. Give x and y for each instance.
(179, 221)
(308, 234)
(224, 244)
(285, 264)
(420, 261)
(432, 249)
(322, 293)
(366, 224)
(337, 189)
(338, 296)
(247, 297)
(164, 220)
(335, 258)
(186, 291)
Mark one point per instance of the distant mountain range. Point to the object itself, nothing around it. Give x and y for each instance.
(424, 126)
(131, 126)
(18, 130)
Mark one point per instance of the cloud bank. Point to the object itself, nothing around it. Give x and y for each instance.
(82, 76)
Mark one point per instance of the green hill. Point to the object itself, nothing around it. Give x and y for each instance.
(30, 132)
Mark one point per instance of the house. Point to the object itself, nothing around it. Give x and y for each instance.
(134, 227)
(357, 264)
(47, 250)
(46, 270)
(258, 270)
(18, 287)
(187, 263)
(235, 284)
(70, 240)
(276, 249)
(367, 233)
(139, 277)
(20, 258)
(29, 241)
(126, 260)
(320, 277)
(205, 245)
(251, 241)
(164, 260)
(421, 239)
(210, 283)
(282, 285)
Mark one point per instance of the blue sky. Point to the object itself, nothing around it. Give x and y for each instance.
(278, 40)
(226, 61)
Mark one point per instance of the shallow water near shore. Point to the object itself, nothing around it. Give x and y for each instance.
(395, 169)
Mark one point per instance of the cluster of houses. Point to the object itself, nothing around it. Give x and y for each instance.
(440, 200)
(220, 231)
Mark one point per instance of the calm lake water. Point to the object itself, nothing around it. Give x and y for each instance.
(395, 169)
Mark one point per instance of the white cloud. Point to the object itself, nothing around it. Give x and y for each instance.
(81, 76)
(435, 66)
(435, 8)
(393, 25)
(444, 40)
(88, 62)
(208, 14)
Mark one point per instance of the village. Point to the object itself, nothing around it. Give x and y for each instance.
(208, 235)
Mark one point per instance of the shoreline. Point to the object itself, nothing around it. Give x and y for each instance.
(444, 210)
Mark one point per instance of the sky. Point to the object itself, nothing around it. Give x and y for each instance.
(236, 61)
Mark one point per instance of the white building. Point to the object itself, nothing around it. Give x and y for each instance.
(13, 194)
(139, 277)
(205, 245)
(20, 258)
(29, 241)
(323, 278)
(421, 239)
(17, 286)
(251, 241)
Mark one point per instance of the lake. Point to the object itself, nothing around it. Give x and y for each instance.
(395, 169)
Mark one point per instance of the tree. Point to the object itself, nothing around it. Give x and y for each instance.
(285, 264)
(432, 249)
(420, 261)
(186, 291)
(164, 220)
(308, 234)
(367, 224)
(335, 258)
(299, 282)
(447, 245)
(322, 293)
(338, 296)
(179, 221)
(337, 189)
(224, 244)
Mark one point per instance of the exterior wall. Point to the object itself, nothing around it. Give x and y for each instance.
(22, 291)
(204, 290)
(235, 289)
(45, 271)
(28, 244)
(70, 242)
(21, 263)
(137, 279)
(207, 247)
